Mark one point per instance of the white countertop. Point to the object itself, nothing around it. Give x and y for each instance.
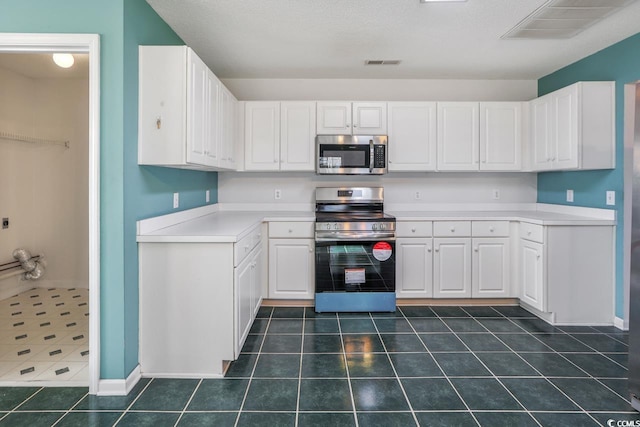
(536, 217)
(209, 224)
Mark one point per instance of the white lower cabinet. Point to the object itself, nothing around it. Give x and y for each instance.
(532, 274)
(414, 267)
(567, 272)
(291, 260)
(247, 295)
(490, 272)
(197, 304)
(452, 267)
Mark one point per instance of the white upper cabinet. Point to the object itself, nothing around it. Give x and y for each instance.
(297, 136)
(180, 110)
(227, 128)
(457, 136)
(347, 118)
(482, 136)
(574, 128)
(500, 136)
(262, 136)
(280, 136)
(412, 136)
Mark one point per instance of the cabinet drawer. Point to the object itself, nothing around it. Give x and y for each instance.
(533, 232)
(243, 247)
(452, 229)
(291, 230)
(414, 229)
(490, 228)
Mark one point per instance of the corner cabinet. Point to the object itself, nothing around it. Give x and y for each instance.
(574, 128)
(412, 130)
(185, 114)
(564, 275)
(280, 136)
(197, 304)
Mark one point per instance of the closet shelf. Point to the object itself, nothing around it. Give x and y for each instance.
(32, 139)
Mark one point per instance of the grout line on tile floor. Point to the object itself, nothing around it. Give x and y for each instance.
(494, 376)
(300, 367)
(446, 376)
(195, 390)
(346, 368)
(253, 370)
(395, 372)
(70, 409)
(128, 408)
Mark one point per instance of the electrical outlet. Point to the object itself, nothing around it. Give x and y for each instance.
(611, 198)
(277, 194)
(495, 194)
(176, 200)
(417, 195)
(569, 195)
(207, 196)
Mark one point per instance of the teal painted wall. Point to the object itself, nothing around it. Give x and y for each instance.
(148, 190)
(620, 63)
(128, 192)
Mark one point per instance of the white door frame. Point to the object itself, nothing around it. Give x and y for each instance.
(81, 43)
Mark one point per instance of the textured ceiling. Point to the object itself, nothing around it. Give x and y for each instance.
(333, 38)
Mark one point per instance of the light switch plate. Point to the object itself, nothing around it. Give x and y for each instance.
(569, 195)
(611, 198)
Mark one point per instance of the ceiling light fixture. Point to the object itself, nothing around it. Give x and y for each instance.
(63, 60)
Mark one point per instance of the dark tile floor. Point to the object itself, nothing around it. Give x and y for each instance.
(438, 366)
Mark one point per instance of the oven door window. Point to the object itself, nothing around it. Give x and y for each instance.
(355, 266)
(344, 156)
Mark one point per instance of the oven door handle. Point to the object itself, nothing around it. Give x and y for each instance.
(337, 236)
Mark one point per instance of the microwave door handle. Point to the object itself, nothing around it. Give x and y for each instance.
(371, 156)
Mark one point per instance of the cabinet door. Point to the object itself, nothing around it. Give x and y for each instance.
(490, 262)
(452, 268)
(500, 136)
(291, 268)
(458, 136)
(334, 118)
(412, 136)
(369, 118)
(262, 136)
(212, 120)
(198, 95)
(565, 120)
(532, 274)
(297, 136)
(541, 146)
(256, 282)
(227, 125)
(243, 301)
(414, 268)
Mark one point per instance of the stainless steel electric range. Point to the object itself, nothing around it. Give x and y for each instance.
(355, 251)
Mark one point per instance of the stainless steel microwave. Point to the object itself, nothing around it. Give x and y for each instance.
(351, 155)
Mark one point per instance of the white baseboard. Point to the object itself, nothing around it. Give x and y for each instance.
(620, 324)
(119, 387)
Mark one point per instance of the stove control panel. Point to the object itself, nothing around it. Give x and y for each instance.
(356, 226)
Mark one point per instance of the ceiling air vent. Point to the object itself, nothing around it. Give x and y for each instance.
(563, 19)
(382, 62)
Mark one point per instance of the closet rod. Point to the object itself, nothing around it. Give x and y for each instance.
(32, 139)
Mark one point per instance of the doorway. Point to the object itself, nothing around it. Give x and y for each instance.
(48, 146)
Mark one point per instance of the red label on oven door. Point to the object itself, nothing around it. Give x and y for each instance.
(382, 251)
